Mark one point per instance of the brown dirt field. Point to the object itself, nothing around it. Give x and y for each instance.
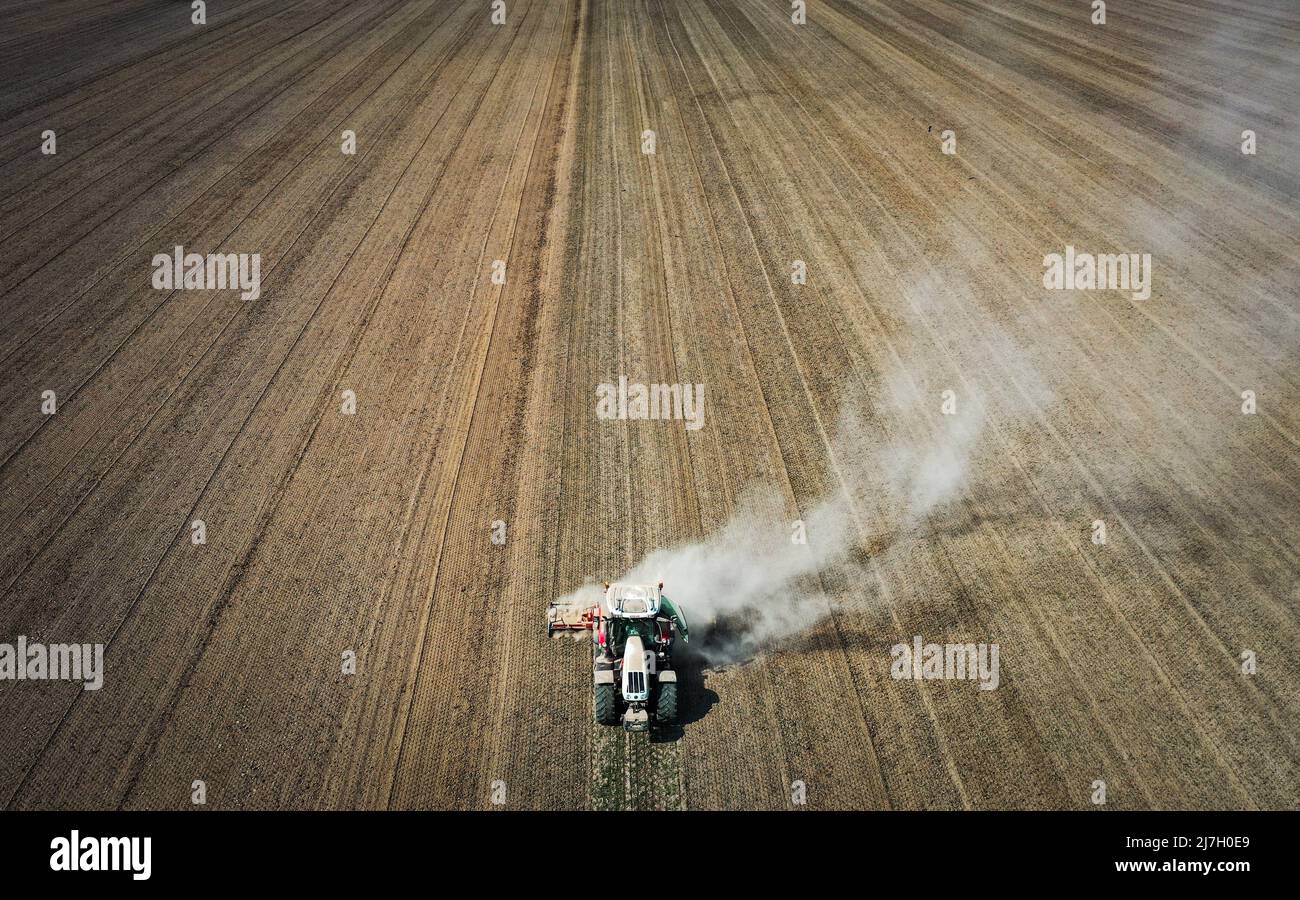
(821, 142)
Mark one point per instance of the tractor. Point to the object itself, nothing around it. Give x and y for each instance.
(633, 628)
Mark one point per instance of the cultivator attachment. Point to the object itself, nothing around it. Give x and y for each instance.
(570, 616)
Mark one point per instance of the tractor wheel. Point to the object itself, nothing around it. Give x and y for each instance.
(666, 706)
(606, 704)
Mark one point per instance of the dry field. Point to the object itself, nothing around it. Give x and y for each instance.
(950, 432)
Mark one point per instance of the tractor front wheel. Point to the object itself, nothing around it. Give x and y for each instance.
(666, 706)
(606, 704)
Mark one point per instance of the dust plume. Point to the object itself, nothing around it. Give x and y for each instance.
(899, 454)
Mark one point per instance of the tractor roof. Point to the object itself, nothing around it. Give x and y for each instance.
(632, 601)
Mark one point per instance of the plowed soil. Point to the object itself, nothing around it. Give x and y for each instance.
(1161, 662)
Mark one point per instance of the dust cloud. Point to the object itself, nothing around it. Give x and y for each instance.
(900, 453)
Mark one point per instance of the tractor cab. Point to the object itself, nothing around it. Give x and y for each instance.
(633, 601)
(642, 610)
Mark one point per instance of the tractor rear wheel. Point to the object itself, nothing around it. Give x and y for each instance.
(666, 706)
(606, 704)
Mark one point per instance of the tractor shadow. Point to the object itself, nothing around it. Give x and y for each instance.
(719, 645)
(695, 699)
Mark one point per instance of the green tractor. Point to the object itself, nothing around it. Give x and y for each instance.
(633, 630)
